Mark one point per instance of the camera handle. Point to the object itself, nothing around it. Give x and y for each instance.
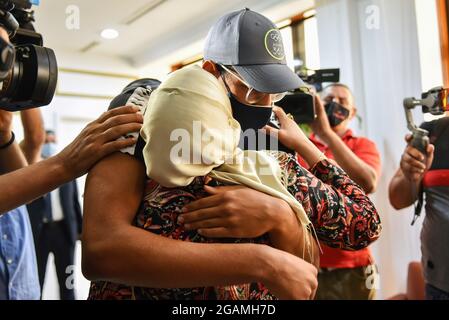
(420, 141)
(8, 22)
(420, 137)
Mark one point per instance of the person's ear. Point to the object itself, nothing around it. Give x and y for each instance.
(353, 113)
(212, 68)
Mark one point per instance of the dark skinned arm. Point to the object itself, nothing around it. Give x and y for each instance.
(115, 250)
(34, 133)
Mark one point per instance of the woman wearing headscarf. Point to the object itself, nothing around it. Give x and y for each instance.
(191, 140)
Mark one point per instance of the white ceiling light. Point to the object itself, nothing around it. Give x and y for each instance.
(109, 34)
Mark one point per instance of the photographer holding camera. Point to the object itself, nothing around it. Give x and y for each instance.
(343, 274)
(19, 183)
(97, 140)
(426, 173)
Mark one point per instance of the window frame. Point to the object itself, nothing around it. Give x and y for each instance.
(443, 22)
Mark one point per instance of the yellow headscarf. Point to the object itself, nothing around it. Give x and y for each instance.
(189, 132)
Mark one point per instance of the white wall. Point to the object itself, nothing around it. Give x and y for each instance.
(429, 48)
(429, 40)
(375, 43)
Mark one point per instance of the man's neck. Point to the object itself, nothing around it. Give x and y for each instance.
(339, 132)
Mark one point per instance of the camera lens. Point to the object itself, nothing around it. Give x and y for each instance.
(7, 54)
(32, 81)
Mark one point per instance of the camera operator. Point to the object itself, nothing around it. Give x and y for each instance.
(343, 274)
(428, 174)
(97, 140)
(20, 184)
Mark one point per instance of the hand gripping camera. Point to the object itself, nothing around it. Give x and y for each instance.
(434, 102)
(300, 103)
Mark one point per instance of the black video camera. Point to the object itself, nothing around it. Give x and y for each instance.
(437, 101)
(28, 71)
(301, 104)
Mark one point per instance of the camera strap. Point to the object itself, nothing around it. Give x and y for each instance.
(418, 204)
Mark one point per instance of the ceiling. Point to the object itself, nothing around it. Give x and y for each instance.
(167, 25)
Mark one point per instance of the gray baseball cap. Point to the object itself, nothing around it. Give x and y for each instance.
(253, 45)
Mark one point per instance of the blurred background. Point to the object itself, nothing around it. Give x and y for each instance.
(386, 51)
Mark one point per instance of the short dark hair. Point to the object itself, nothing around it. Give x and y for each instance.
(338, 84)
(127, 92)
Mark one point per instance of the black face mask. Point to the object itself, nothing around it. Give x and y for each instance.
(249, 117)
(336, 113)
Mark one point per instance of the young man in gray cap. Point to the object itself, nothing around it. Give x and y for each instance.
(252, 44)
(244, 50)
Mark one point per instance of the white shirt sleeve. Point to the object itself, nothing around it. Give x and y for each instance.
(56, 207)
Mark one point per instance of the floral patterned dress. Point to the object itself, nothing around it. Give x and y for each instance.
(343, 217)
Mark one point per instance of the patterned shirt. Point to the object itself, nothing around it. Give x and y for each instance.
(366, 151)
(343, 216)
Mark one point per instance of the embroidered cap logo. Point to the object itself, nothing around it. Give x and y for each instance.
(274, 45)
